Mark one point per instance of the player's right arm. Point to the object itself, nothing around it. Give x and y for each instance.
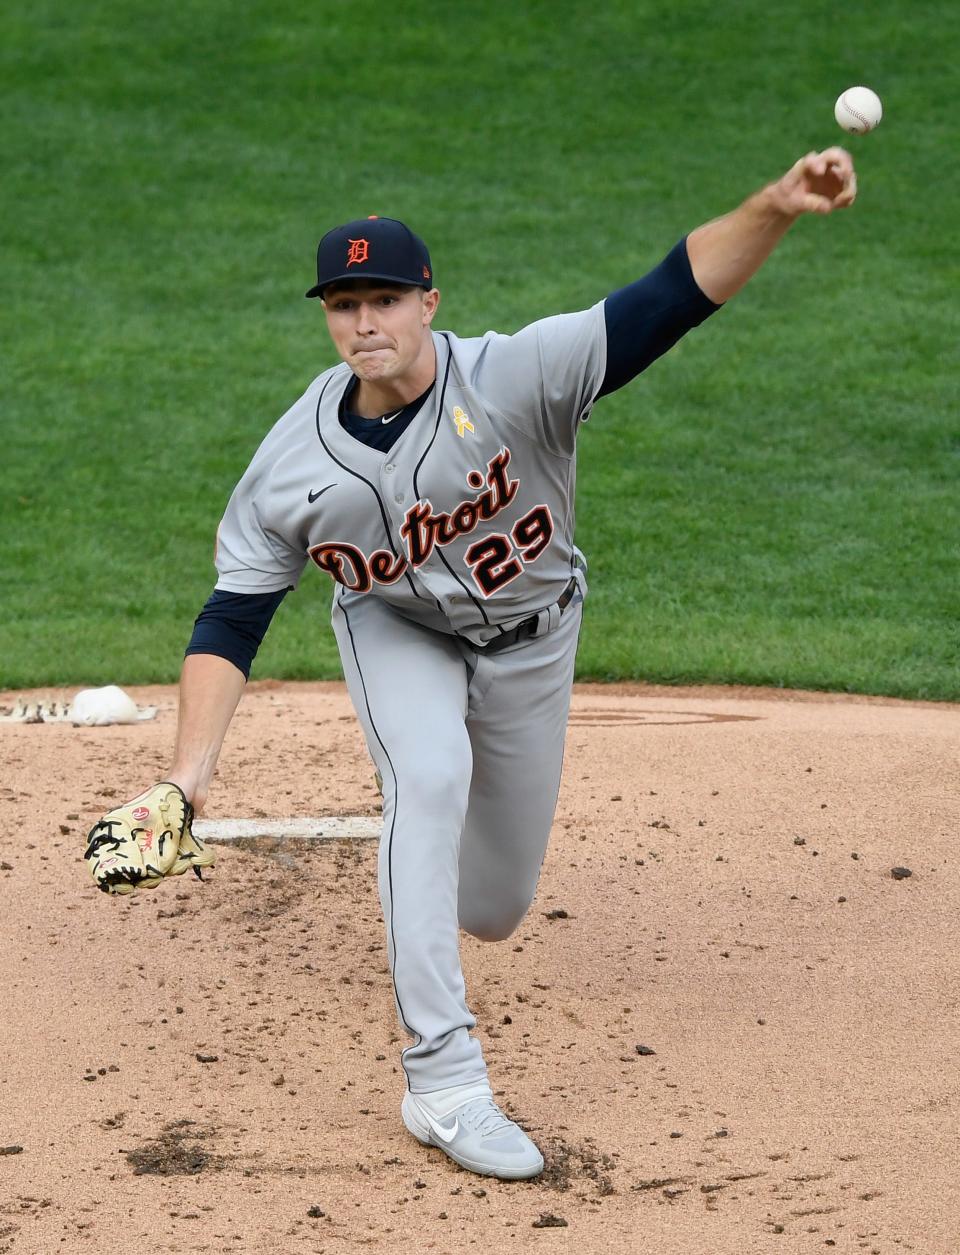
(549, 374)
(556, 368)
(728, 251)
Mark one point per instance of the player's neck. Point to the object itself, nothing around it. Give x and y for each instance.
(373, 397)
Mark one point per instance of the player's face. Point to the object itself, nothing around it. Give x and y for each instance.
(381, 332)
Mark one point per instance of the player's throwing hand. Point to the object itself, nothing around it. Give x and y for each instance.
(818, 183)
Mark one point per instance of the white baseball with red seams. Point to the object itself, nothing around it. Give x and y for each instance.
(858, 110)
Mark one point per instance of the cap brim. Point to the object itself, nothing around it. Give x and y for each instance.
(317, 289)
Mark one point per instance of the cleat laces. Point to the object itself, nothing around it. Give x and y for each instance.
(490, 1120)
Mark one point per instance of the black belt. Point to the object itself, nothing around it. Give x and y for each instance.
(527, 628)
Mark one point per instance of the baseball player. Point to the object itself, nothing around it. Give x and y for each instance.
(432, 478)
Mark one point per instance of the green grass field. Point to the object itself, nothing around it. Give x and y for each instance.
(775, 502)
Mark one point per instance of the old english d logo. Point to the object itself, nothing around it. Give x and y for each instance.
(358, 252)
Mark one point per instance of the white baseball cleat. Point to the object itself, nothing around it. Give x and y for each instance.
(466, 1124)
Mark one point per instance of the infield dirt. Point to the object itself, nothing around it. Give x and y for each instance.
(729, 1026)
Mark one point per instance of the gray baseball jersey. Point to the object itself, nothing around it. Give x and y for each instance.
(466, 523)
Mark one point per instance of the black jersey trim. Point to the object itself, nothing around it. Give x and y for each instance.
(373, 488)
(393, 823)
(439, 552)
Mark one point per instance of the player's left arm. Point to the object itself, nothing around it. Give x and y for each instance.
(725, 253)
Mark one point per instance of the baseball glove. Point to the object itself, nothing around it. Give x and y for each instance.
(136, 845)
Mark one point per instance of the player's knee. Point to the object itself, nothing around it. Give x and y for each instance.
(498, 925)
(490, 930)
(439, 784)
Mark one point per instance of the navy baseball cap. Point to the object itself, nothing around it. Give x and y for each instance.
(372, 248)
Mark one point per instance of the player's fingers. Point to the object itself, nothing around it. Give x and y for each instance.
(838, 157)
(817, 166)
(848, 195)
(848, 185)
(812, 164)
(798, 170)
(814, 204)
(842, 172)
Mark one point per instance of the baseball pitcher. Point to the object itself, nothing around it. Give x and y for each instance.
(432, 479)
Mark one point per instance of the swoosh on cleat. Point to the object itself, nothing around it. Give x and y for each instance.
(445, 1134)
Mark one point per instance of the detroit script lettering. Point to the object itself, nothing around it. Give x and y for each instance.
(494, 561)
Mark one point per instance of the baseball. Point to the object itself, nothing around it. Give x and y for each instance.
(858, 110)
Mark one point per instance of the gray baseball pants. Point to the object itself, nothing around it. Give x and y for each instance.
(470, 749)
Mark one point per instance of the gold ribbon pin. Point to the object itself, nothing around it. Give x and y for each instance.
(462, 421)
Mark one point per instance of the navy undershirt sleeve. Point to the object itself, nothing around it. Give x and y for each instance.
(649, 316)
(232, 625)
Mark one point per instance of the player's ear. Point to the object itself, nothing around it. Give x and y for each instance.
(431, 300)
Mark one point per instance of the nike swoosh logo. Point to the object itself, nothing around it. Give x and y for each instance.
(312, 496)
(391, 417)
(444, 1134)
